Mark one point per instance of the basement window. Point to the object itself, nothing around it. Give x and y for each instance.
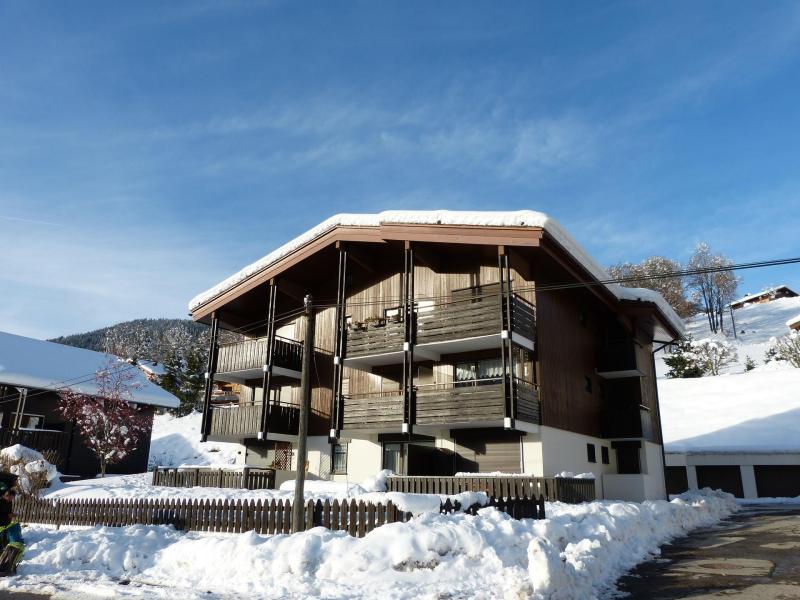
(591, 455)
(339, 458)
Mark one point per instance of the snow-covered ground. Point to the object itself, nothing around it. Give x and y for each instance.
(577, 552)
(176, 441)
(738, 411)
(756, 324)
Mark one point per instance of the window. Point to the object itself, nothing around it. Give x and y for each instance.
(604, 454)
(590, 453)
(483, 369)
(340, 458)
(393, 457)
(29, 421)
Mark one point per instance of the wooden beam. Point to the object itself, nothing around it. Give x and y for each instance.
(291, 289)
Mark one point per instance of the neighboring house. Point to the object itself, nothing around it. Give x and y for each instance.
(794, 323)
(152, 370)
(31, 373)
(738, 433)
(445, 342)
(768, 295)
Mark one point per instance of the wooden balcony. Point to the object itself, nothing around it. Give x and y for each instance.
(240, 361)
(463, 324)
(380, 410)
(240, 421)
(631, 422)
(617, 359)
(476, 403)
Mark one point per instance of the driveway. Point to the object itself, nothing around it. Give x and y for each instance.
(755, 554)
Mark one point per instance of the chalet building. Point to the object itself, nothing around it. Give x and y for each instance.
(31, 373)
(794, 323)
(768, 295)
(445, 342)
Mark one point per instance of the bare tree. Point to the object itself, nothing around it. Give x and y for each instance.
(657, 273)
(715, 288)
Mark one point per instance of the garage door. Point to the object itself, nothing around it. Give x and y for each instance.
(727, 478)
(480, 451)
(677, 481)
(778, 480)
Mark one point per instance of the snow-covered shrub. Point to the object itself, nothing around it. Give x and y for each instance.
(749, 364)
(683, 361)
(785, 349)
(34, 473)
(714, 354)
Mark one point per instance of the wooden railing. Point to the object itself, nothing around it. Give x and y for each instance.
(54, 445)
(251, 354)
(461, 402)
(552, 489)
(375, 339)
(465, 317)
(380, 409)
(237, 516)
(236, 421)
(616, 355)
(526, 397)
(246, 478)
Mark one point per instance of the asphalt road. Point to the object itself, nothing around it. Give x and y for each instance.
(753, 555)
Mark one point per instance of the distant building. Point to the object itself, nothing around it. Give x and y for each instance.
(31, 374)
(794, 323)
(781, 291)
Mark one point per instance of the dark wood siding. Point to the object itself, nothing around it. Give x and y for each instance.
(727, 478)
(566, 351)
(484, 451)
(644, 360)
(779, 481)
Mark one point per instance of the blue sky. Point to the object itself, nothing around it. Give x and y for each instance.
(148, 150)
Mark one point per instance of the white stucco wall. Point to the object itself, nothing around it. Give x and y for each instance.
(648, 485)
(363, 459)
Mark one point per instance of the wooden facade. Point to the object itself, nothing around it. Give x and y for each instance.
(450, 327)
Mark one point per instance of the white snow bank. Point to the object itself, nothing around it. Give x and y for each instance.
(519, 218)
(758, 411)
(176, 442)
(571, 475)
(578, 552)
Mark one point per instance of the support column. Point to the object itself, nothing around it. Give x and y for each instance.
(337, 407)
(269, 359)
(21, 400)
(749, 487)
(205, 427)
(505, 337)
(409, 395)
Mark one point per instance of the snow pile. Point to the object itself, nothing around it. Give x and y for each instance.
(571, 475)
(176, 442)
(520, 218)
(33, 471)
(578, 552)
(758, 411)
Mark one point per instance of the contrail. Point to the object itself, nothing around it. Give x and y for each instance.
(23, 220)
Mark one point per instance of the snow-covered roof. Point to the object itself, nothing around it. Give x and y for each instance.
(520, 218)
(27, 362)
(152, 368)
(793, 321)
(757, 411)
(765, 292)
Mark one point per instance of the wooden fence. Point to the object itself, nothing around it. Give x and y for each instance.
(236, 516)
(553, 489)
(247, 478)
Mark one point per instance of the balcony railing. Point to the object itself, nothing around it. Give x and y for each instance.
(470, 317)
(617, 356)
(239, 421)
(379, 409)
(631, 422)
(54, 445)
(476, 400)
(251, 354)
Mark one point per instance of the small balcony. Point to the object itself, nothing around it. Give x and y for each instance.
(236, 422)
(239, 362)
(464, 324)
(630, 422)
(616, 359)
(475, 403)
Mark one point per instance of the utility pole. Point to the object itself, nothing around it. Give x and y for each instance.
(298, 504)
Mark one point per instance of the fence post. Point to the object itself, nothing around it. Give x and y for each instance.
(246, 478)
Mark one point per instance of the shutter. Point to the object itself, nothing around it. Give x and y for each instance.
(481, 451)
